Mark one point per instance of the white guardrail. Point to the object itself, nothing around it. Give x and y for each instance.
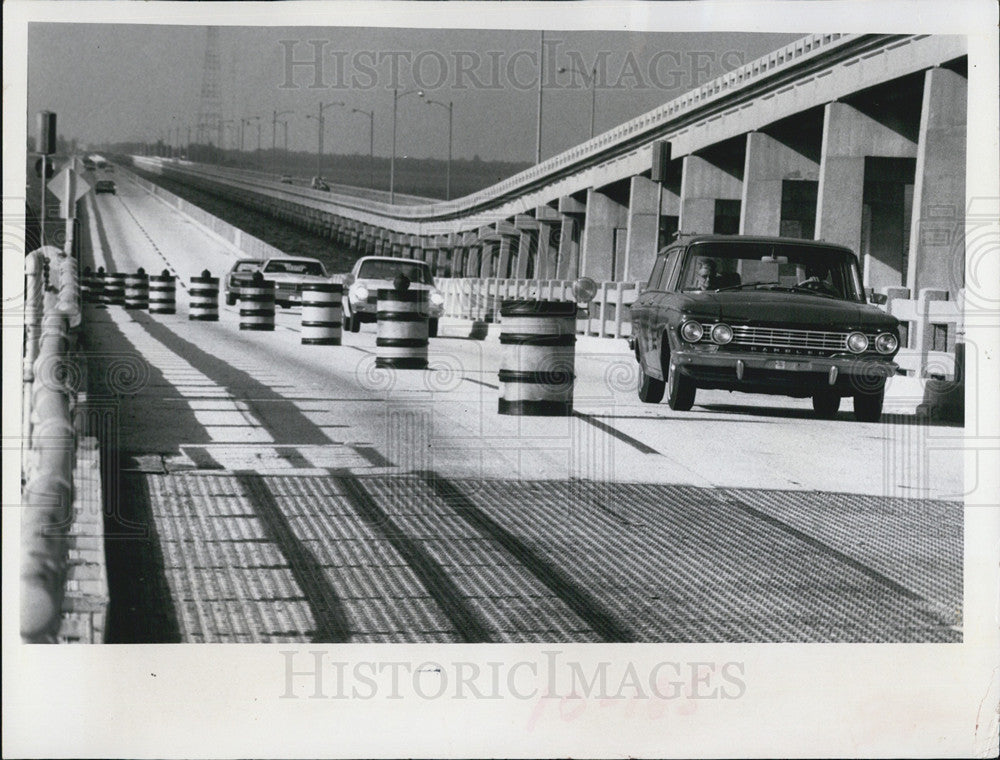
(932, 326)
(479, 299)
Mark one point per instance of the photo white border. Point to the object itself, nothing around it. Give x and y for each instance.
(922, 700)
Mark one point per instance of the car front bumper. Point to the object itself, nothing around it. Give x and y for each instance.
(367, 309)
(784, 374)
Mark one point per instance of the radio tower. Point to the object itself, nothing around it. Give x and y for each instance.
(210, 107)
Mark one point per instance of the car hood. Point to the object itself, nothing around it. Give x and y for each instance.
(292, 277)
(762, 307)
(376, 284)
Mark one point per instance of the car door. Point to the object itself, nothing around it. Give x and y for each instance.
(649, 311)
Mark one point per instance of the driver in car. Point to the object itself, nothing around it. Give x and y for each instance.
(708, 275)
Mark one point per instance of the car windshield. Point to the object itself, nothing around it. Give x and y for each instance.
(799, 269)
(313, 268)
(247, 266)
(387, 269)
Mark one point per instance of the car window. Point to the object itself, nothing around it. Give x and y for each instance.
(376, 269)
(654, 277)
(247, 266)
(667, 276)
(798, 269)
(311, 268)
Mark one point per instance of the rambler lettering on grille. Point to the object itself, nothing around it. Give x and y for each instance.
(782, 340)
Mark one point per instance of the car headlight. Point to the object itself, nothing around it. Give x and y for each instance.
(857, 342)
(886, 343)
(692, 331)
(722, 334)
(436, 298)
(359, 293)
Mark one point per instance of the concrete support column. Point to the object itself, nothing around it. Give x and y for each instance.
(849, 135)
(643, 228)
(769, 162)
(702, 184)
(938, 260)
(604, 216)
(508, 249)
(547, 254)
(568, 262)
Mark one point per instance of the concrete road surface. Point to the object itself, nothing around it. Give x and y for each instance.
(263, 490)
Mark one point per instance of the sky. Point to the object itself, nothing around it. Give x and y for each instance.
(125, 82)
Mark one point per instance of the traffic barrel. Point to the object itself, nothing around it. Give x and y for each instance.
(322, 313)
(87, 292)
(538, 343)
(114, 289)
(97, 294)
(162, 293)
(203, 303)
(402, 316)
(257, 303)
(137, 290)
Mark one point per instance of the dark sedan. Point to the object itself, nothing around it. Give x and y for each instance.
(105, 186)
(762, 315)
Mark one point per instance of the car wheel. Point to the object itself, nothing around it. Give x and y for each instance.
(650, 389)
(680, 390)
(868, 406)
(230, 299)
(432, 328)
(825, 404)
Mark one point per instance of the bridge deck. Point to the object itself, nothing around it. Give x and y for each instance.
(269, 491)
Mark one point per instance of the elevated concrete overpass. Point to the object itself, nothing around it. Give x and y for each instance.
(854, 139)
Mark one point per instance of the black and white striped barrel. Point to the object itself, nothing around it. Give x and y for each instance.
(402, 328)
(203, 298)
(322, 313)
(114, 288)
(162, 293)
(97, 294)
(137, 290)
(90, 286)
(538, 343)
(257, 303)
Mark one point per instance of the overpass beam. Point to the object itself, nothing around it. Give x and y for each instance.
(604, 230)
(769, 162)
(938, 260)
(703, 185)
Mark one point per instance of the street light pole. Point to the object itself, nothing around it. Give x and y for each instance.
(450, 106)
(593, 91)
(319, 136)
(541, 76)
(371, 143)
(396, 95)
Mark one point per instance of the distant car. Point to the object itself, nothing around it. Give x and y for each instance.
(762, 315)
(287, 179)
(110, 168)
(318, 183)
(290, 273)
(373, 272)
(105, 186)
(239, 272)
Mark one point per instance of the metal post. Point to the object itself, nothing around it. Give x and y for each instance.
(448, 180)
(538, 131)
(392, 157)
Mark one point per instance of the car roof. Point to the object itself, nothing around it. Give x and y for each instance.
(294, 258)
(766, 239)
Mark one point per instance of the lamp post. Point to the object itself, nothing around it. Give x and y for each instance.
(396, 95)
(274, 129)
(244, 123)
(319, 131)
(593, 91)
(371, 142)
(450, 107)
(223, 123)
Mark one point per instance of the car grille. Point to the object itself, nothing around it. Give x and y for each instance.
(781, 340)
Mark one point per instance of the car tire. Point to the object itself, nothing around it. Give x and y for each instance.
(230, 299)
(651, 389)
(826, 404)
(432, 328)
(868, 406)
(680, 390)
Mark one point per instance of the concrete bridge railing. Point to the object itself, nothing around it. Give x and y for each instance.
(479, 299)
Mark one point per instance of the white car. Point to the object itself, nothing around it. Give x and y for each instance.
(373, 272)
(290, 273)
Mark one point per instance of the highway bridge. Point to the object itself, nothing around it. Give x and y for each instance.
(255, 489)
